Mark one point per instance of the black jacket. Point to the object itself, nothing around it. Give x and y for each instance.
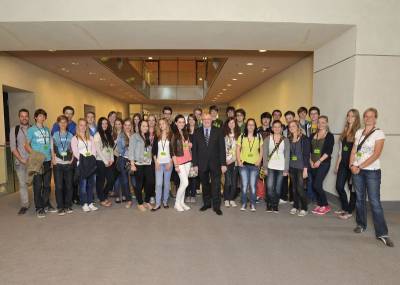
(211, 156)
(328, 146)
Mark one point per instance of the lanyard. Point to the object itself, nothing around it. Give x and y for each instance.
(43, 134)
(65, 138)
(86, 145)
(252, 145)
(163, 144)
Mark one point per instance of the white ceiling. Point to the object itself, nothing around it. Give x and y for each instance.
(117, 35)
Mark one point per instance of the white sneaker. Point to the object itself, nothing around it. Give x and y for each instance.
(282, 201)
(233, 204)
(178, 208)
(193, 200)
(293, 211)
(152, 200)
(302, 213)
(243, 208)
(253, 208)
(85, 208)
(227, 204)
(93, 207)
(185, 207)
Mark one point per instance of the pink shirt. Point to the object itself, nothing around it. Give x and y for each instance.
(82, 147)
(187, 156)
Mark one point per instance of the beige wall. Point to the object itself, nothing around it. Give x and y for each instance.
(287, 90)
(50, 92)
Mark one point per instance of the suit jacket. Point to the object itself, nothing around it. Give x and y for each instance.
(211, 156)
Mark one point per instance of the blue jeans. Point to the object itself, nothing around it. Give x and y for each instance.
(274, 186)
(163, 177)
(86, 186)
(369, 181)
(249, 174)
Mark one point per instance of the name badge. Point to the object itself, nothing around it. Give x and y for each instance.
(250, 155)
(185, 145)
(345, 148)
(88, 154)
(108, 150)
(146, 154)
(163, 153)
(63, 153)
(359, 154)
(317, 151)
(46, 147)
(294, 157)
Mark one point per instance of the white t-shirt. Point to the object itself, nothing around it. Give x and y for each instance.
(277, 161)
(163, 154)
(367, 148)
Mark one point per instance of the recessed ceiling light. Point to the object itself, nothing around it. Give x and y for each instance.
(75, 63)
(262, 50)
(52, 50)
(150, 57)
(220, 93)
(64, 69)
(91, 73)
(240, 73)
(234, 79)
(249, 64)
(224, 89)
(264, 69)
(200, 79)
(229, 85)
(102, 79)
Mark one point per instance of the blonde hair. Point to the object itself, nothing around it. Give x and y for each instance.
(299, 132)
(87, 134)
(159, 131)
(373, 110)
(327, 121)
(347, 133)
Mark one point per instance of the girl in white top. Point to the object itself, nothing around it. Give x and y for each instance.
(163, 163)
(83, 144)
(366, 169)
(104, 144)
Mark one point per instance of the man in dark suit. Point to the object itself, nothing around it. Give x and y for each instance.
(209, 156)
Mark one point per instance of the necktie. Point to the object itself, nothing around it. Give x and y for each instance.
(207, 137)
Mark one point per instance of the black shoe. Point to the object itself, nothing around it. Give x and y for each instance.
(22, 211)
(61, 212)
(165, 206)
(118, 201)
(41, 213)
(204, 208)
(69, 210)
(218, 212)
(269, 209)
(386, 241)
(276, 210)
(156, 209)
(358, 229)
(76, 202)
(50, 208)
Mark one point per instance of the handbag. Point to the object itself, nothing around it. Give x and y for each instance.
(87, 166)
(260, 189)
(193, 172)
(123, 164)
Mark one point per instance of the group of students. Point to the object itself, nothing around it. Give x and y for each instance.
(145, 153)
